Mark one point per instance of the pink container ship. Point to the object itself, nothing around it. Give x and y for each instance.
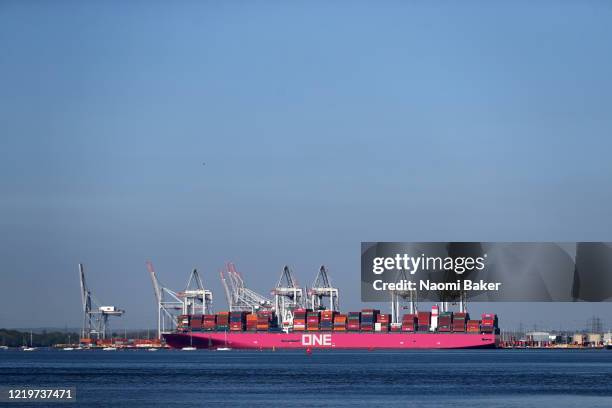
(261, 341)
(298, 319)
(368, 329)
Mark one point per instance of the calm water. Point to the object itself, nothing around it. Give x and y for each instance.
(497, 378)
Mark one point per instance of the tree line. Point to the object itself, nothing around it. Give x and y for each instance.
(16, 338)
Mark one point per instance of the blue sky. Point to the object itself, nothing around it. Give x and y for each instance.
(322, 124)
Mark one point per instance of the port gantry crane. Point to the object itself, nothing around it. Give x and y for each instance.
(239, 297)
(322, 288)
(400, 296)
(95, 317)
(288, 296)
(195, 299)
(411, 296)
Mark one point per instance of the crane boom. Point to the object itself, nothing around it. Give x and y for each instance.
(240, 297)
(322, 288)
(156, 287)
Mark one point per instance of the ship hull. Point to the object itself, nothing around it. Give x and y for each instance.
(331, 340)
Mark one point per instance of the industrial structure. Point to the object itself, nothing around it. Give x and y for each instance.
(322, 288)
(239, 297)
(399, 297)
(195, 299)
(95, 316)
(288, 296)
(305, 318)
(310, 319)
(314, 321)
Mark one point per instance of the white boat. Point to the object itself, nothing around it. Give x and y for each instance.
(31, 347)
(190, 348)
(152, 349)
(3, 347)
(109, 348)
(225, 347)
(68, 348)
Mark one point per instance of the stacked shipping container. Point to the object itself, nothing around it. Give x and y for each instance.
(312, 321)
(209, 322)
(251, 322)
(237, 321)
(473, 326)
(264, 318)
(354, 321)
(488, 323)
(223, 321)
(445, 321)
(424, 321)
(340, 322)
(459, 321)
(382, 322)
(327, 320)
(299, 319)
(409, 323)
(183, 322)
(368, 318)
(196, 322)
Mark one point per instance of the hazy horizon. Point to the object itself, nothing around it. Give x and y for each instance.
(269, 134)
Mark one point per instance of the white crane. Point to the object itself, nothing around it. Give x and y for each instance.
(239, 297)
(322, 288)
(195, 299)
(95, 317)
(288, 296)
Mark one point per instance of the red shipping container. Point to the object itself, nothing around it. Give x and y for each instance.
(424, 318)
(383, 318)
